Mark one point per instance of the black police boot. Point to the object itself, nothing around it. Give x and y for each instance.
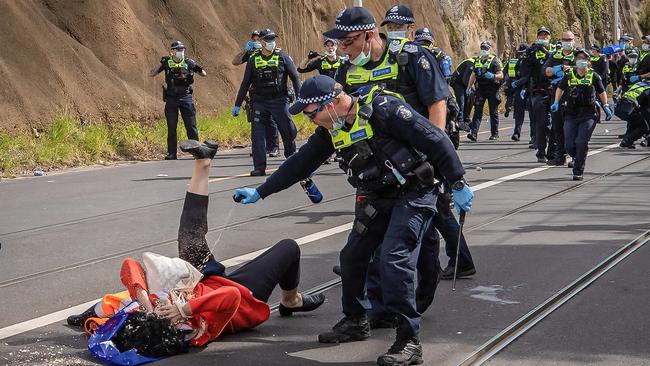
(79, 320)
(337, 270)
(274, 153)
(494, 137)
(170, 156)
(472, 136)
(556, 162)
(515, 137)
(577, 177)
(570, 164)
(506, 113)
(207, 150)
(448, 273)
(348, 329)
(541, 159)
(627, 144)
(258, 173)
(309, 303)
(402, 353)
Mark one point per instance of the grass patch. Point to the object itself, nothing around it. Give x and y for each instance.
(68, 143)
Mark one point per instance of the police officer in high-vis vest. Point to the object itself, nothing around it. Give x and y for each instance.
(515, 98)
(556, 66)
(179, 77)
(424, 38)
(487, 75)
(326, 64)
(629, 73)
(266, 76)
(390, 154)
(578, 90)
(634, 108)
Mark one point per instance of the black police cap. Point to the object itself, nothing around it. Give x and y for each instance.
(334, 41)
(627, 37)
(595, 46)
(399, 14)
(581, 50)
(315, 90)
(267, 34)
(486, 45)
(177, 45)
(255, 33)
(423, 34)
(543, 29)
(351, 20)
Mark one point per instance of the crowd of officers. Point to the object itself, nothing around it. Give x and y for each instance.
(383, 104)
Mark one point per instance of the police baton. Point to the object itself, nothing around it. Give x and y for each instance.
(461, 221)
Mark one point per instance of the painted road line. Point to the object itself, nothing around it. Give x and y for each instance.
(213, 180)
(42, 321)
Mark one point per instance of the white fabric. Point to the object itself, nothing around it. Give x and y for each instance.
(166, 274)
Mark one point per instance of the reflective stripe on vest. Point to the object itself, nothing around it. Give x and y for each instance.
(560, 56)
(174, 65)
(586, 80)
(325, 65)
(627, 69)
(539, 55)
(636, 90)
(511, 67)
(358, 75)
(361, 129)
(274, 61)
(479, 64)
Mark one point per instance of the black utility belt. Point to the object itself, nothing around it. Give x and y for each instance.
(176, 91)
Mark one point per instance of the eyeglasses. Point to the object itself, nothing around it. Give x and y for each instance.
(349, 40)
(311, 115)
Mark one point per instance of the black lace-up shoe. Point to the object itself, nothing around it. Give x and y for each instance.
(79, 320)
(206, 150)
(448, 273)
(348, 329)
(309, 303)
(402, 353)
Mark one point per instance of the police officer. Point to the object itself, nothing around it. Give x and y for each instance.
(580, 86)
(327, 64)
(634, 108)
(487, 75)
(557, 64)
(515, 98)
(458, 82)
(266, 76)
(389, 153)
(271, 131)
(179, 77)
(643, 68)
(629, 72)
(533, 77)
(424, 38)
(406, 68)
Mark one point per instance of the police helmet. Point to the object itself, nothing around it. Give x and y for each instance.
(485, 45)
(177, 45)
(523, 47)
(326, 40)
(543, 29)
(267, 34)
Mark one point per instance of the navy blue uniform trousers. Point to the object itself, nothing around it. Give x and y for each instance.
(577, 133)
(540, 114)
(186, 106)
(263, 112)
(395, 232)
(493, 99)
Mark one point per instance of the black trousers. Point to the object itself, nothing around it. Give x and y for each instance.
(519, 111)
(557, 120)
(464, 102)
(493, 99)
(188, 111)
(540, 114)
(264, 111)
(280, 265)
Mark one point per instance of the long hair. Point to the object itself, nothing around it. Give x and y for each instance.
(151, 336)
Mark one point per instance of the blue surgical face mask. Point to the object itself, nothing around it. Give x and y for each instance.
(270, 46)
(179, 55)
(397, 34)
(632, 60)
(484, 52)
(362, 58)
(543, 42)
(257, 45)
(582, 64)
(567, 46)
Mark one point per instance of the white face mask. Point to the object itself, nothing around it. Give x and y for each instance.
(645, 47)
(582, 64)
(567, 46)
(396, 34)
(362, 58)
(270, 46)
(484, 52)
(632, 60)
(179, 55)
(331, 53)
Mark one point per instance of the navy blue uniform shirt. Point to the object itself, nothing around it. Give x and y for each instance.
(289, 72)
(415, 131)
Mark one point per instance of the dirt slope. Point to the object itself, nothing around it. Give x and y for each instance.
(90, 58)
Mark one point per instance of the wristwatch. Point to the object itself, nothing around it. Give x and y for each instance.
(458, 185)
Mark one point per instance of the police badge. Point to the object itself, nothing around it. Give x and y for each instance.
(394, 45)
(424, 63)
(404, 113)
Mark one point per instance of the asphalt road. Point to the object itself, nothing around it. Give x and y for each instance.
(65, 235)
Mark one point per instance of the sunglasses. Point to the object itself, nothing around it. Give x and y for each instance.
(311, 115)
(349, 40)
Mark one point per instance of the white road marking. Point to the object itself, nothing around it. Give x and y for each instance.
(48, 319)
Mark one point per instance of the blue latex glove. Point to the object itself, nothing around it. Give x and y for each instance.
(489, 75)
(514, 85)
(555, 107)
(250, 45)
(608, 112)
(469, 92)
(523, 92)
(463, 199)
(558, 70)
(246, 195)
(235, 111)
(635, 78)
